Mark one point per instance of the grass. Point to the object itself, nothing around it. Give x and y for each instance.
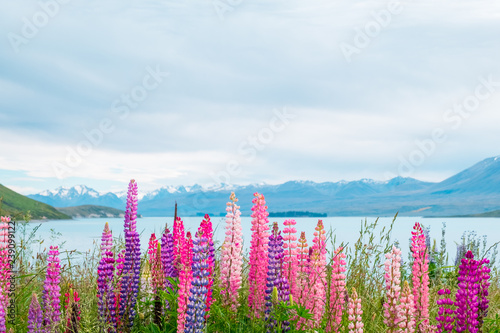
(365, 261)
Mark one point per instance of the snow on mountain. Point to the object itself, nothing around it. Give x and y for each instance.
(475, 189)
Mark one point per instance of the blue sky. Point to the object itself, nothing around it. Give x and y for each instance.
(173, 93)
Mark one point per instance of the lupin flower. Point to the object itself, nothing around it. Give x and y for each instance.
(157, 272)
(406, 318)
(168, 255)
(258, 256)
(132, 265)
(178, 241)
(106, 299)
(420, 277)
(484, 284)
(275, 280)
(72, 311)
(197, 307)
(185, 279)
(393, 288)
(467, 300)
(355, 312)
(337, 292)
(51, 291)
(207, 231)
(317, 277)
(290, 260)
(231, 262)
(35, 316)
(445, 317)
(152, 246)
(303, 268)
(5, 271)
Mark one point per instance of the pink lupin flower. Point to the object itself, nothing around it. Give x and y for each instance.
(406, 318)
(393, 289)
(303, 269)
(420, 278)
(355, 312)
(231, 262)
(51, 291)
(317, 277)
(258, 256)
(5, 271)
(185, 279)
(290, 260)
(337, 292)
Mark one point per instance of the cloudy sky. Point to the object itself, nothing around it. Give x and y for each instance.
(238, 91)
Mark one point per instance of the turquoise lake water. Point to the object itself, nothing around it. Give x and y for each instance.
(83, 234)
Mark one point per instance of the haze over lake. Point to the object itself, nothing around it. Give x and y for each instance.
(80, 234)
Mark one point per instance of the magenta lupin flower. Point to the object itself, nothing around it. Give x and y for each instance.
(290, 262)
(106, 300)
(484, 284)
(51, 291)
(152, 247)
(406, 317)
(393, 288)
(467, 300)
(420, 277)
(35, 316)
(178, 240)
(258, 256)
(5, 271)
(337, 292)
(355, 312)
(317, 277)
(231, 262)
(72, 312)
(445, 317)
(185, 279)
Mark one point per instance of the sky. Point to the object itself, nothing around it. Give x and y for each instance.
(239, 92)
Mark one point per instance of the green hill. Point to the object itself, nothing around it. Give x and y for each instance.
(91, 211)
(16, 205)
(495, 213)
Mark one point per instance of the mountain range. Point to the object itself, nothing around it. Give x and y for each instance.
(472, 191)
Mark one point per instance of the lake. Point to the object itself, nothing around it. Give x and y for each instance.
(81, 234)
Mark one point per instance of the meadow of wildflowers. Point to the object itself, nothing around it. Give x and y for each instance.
(186, 283)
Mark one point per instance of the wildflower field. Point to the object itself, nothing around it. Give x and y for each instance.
(186, 283)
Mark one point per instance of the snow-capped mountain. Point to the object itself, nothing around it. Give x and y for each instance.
(78, 195)
(474, 190)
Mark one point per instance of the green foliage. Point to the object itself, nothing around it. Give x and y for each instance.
(17, 206)
(365, 261)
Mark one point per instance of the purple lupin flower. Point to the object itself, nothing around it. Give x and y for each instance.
(466, 314)
(51, 291)
(132, 264)
(105, 274)
(197, 306)
(35, 316)
(275, 278)
(168, 254)
(484, 276)
(445, 313)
